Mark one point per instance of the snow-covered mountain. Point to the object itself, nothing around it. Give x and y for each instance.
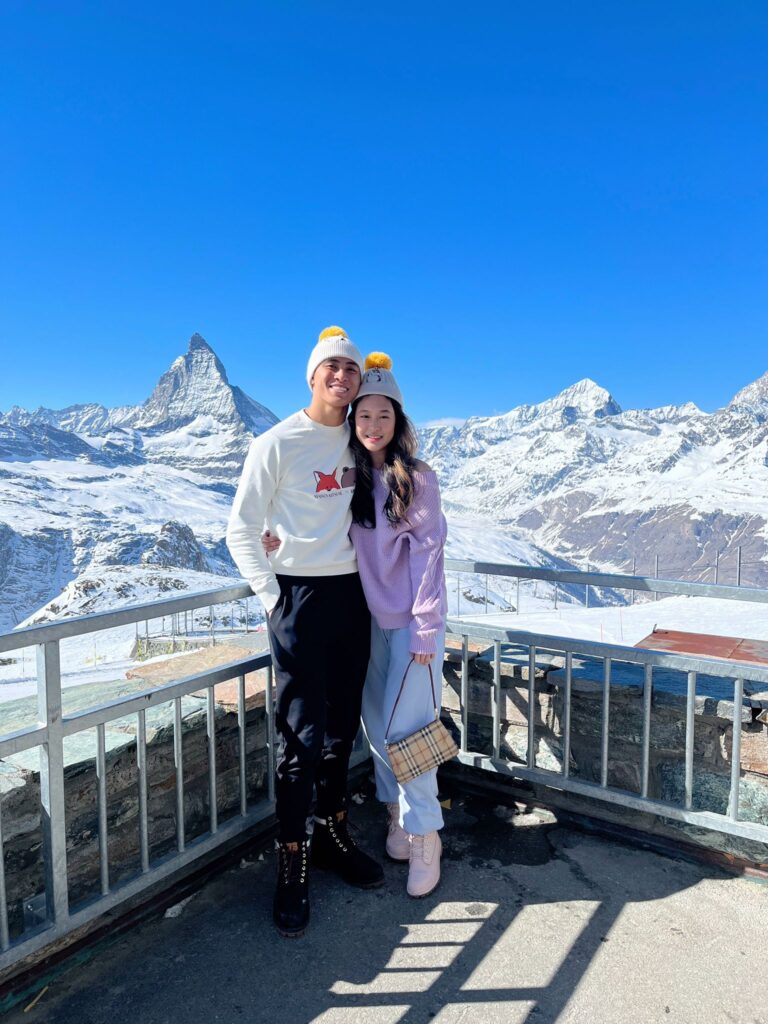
(115, 501)
(193, 420)
(595, 483)
(86, 488)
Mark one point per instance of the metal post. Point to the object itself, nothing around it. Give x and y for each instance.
(486, 593)
(101, 776)
(738, 566)
(690, 724)
(566, 769)
(586, 591)
(213, 629)
(5, 939)
(555, 595)
(241, 743)
(52, 782)
(647, 707)
(605, 724)
(269, 707)
(517, 599)
(178, 758)
(464, 727)
(656, 574)
(531, 752)
(738, 703)
(458, 596)
(634, 573)
(496, 699)
(141, 761)
(210, 721)
(717, 567)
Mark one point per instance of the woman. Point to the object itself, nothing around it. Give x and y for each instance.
(399, 533)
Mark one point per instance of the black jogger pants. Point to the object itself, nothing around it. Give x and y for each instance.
(319, 633)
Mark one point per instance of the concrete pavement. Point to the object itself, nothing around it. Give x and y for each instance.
(532, 923)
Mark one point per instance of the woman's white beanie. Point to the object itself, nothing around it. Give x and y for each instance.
(378, 378)
(333, 341)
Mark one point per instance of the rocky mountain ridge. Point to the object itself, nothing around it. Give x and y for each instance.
(595, 483)
(86, 490)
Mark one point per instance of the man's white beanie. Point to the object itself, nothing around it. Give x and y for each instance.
(333, 341)
(378, 378)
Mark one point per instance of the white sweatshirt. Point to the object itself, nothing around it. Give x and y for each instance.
(297, 482)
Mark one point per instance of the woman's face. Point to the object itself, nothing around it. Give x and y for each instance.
(375, 423)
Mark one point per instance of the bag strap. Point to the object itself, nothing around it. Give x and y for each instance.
(400, 693)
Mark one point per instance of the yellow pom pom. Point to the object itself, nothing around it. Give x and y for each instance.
(332, 332)
(378, 361)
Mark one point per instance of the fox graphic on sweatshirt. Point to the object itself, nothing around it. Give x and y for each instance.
(282, 489)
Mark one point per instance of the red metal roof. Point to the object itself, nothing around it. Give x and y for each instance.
(732, 648)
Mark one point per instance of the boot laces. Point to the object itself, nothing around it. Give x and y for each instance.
(338, 829)
(293, 863)
(422, 847)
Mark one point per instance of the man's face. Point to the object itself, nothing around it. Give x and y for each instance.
(336, 381)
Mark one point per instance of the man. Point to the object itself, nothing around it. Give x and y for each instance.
(298, 481)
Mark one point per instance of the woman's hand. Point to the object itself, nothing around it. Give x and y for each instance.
(423, 659)
(270, 542)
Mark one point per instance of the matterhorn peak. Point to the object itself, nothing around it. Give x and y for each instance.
(198, 342)
(195, 384)
(196, 388)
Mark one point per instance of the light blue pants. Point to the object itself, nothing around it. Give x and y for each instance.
(420, 811)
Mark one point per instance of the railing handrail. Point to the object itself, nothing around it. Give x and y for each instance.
(79, 625)
(615, 581)
(721, 667)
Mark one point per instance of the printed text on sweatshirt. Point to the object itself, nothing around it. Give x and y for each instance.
(297, 481)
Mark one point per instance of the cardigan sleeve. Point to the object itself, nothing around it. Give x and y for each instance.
(427, 543)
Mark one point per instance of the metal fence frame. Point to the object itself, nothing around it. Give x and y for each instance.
(692, 666)
(54, 726)
(607, 580)
(49, 736)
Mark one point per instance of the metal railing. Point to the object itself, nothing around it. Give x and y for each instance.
(649, 660)
(54, 726)
(691, 667)
(607, 581)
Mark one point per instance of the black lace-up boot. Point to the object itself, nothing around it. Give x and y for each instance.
(291, 907)
(334, 849)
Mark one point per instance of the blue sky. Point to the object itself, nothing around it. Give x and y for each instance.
(506, 196)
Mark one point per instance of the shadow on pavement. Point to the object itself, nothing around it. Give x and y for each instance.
(523, 910)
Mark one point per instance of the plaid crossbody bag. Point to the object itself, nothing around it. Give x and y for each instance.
(422, 750)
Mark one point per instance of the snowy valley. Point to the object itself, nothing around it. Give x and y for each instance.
(101, 506)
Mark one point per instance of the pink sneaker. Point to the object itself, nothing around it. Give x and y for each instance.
(424, 870)
(398, 848)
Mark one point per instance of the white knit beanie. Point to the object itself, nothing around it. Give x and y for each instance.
(378, 378)
(333, 341)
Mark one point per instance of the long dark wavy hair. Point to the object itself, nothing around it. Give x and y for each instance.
(397, 474)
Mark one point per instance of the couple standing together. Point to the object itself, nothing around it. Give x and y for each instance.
(338, 529)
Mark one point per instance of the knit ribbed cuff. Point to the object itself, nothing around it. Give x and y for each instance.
(269, 594)
(423, 641)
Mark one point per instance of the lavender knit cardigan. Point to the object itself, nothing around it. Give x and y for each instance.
(401, 567)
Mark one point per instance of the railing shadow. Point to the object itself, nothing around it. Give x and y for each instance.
(521, 914)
